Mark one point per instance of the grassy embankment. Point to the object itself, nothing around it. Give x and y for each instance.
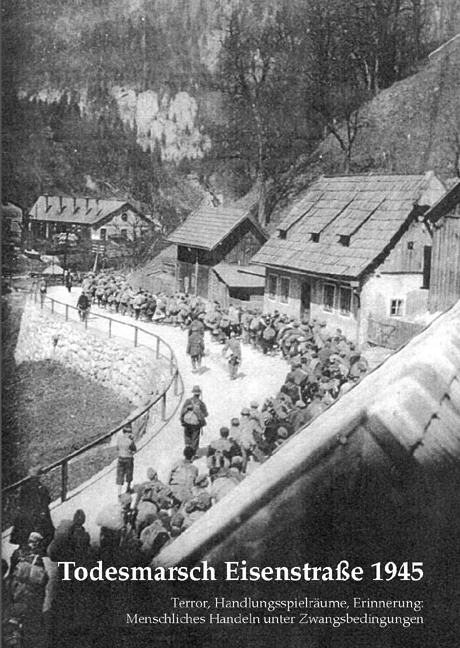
(49, 411)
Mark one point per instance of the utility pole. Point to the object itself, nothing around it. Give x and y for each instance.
(196, 273)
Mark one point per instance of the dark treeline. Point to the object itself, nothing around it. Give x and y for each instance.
(61, 146)
(288, 74)
(304, 73)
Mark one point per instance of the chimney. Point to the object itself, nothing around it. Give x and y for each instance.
(87, 204)
(60, 203)
(74, 204)
(47, 202)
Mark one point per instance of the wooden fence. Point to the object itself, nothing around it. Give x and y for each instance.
(391, 333)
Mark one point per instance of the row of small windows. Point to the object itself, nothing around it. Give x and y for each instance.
(345, 296)
(103, 234)
(285, 286)
(329, 296)
(344, 239)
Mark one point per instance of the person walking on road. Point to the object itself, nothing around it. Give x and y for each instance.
(232, 351)
(33, 512)
(125, 465)
(68, 280)
(83, 306)
(193, 418)
(195, 349)
(42, 287)
(27, 587)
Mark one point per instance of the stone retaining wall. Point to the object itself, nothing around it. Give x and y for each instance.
(132, 372)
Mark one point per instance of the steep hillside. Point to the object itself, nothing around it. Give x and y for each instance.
(110, 96)
(152, 58)
(414, 125)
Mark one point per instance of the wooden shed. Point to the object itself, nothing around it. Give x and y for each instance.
(210, 236)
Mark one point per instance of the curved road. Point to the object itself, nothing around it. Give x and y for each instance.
(259, 377)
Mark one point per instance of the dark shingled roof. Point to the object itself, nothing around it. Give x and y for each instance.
(208, 226)
(447, 202)
(368, 212)
(236, 276)
(81, 211)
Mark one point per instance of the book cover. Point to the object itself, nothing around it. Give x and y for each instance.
(242, 222)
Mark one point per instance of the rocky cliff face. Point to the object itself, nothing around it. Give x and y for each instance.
(114, 90)
(153, 58)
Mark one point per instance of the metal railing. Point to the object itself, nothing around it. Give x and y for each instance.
(70, 313)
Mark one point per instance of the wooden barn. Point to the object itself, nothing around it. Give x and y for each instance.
(354, 251)
(444, 219)
(215, 246)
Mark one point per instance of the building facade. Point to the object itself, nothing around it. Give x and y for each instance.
(353, 249)
(89, 218)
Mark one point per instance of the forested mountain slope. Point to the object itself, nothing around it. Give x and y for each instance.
(153, 98)
(413, 126)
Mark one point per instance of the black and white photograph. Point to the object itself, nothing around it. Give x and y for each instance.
(230, 235)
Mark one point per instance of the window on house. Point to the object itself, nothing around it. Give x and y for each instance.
(410, 245)
(315, 237)
(345, 301)
(124, 216)
(328, 297)
(396, 307)
(124, 233)
(103, 234)
(272, 286)
(284, 289)
(282, 234)
(344, 240)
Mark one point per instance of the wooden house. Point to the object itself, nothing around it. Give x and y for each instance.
(90, 218)
(215, 246)
(444, 219)
(353, 250)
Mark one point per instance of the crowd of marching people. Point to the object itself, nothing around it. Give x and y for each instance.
(271, 333)
(323, 365)
(149, 515)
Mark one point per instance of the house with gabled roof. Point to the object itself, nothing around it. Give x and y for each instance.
(94, 219)
(351, 249)
(215, 245)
